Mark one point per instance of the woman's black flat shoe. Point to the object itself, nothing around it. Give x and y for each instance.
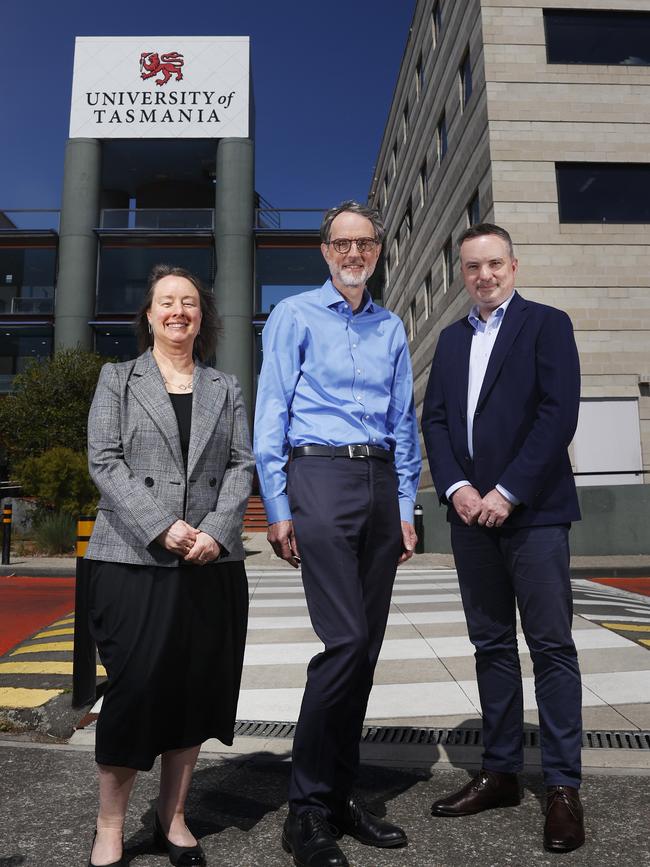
(180, 856)
(120, 863)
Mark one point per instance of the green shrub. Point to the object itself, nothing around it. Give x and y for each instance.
(56, 533)
(59, 479)
(49, 405)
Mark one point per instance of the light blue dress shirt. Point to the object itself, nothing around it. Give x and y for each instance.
(483, 340)
(333, 377)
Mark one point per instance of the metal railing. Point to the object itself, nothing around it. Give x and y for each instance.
(33, 305)
(157, 218)
(28, 219)
(288, 218)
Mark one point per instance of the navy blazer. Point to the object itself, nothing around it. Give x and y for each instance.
(525, 417)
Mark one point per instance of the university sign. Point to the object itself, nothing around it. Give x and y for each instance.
(160, 87)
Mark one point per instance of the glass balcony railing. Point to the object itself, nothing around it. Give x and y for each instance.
(288, 218)
(155, 218)
(29, 220)
(32, 305)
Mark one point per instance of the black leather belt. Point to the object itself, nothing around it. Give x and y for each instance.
(360, 450)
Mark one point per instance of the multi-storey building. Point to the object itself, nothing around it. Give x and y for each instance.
(536, 116)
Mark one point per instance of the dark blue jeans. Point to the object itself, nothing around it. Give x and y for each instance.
(528, 567)
(347, 524)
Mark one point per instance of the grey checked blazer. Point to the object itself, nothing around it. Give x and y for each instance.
(135, 459)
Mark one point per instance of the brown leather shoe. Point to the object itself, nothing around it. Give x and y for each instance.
(487, 790)
(564, 829)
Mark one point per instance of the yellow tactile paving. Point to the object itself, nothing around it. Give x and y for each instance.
(54, 632)
(17, 697)
(627, 627)
(45, 647)
(645, 641)
(50, 667)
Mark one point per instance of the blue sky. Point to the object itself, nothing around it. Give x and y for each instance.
(323, 79)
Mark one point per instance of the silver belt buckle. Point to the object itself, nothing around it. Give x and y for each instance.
(359, 451)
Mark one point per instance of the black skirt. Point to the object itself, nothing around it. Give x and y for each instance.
(172, 642)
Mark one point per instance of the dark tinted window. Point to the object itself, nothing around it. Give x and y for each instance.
(465, 72)
(280, 272)
(597, 37)
(123, 273)
(603, 192)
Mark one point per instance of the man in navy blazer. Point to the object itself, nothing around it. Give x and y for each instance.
(500, 410)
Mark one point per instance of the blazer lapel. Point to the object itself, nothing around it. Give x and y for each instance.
(514, 318)
(209, 395)
(147, 386)
(462, 365)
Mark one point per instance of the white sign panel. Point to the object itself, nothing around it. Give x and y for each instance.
(160, 87)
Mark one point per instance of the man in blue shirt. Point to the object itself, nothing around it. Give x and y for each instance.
(500, 410)
(338, 461)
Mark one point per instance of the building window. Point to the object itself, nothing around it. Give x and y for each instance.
(405, 227)
(411, 321)
(27, 277)
(387, 271)
(603, 37)
(419, 78)
(19, 345)
(384, 192)
(392, 165)
(436, 22)
(428, 296)
(441, 139)
(465, 80)
(603, 192)
(447, 266)
(405, 123)
(284, 271)
(123, 273)
(394, 252)
(474, 210)
(423, 184)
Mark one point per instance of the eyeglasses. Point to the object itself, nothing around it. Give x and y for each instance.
(344, 245)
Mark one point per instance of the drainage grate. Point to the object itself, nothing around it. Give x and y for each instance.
(600, 740)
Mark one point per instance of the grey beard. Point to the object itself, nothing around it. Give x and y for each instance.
(351, 281)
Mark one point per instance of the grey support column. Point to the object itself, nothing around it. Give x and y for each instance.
(75, 289)
(233, 285)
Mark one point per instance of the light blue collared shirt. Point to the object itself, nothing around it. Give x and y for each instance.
(483, 340)
(333, 377)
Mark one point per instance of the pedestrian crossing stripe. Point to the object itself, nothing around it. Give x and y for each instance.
(51, 633)
(45, 647)
(63, 622)
(51, 667)
(645, 641)
(627, 627)
(20, 697)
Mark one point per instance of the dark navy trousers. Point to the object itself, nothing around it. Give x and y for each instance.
(347, 524)
(498, 571)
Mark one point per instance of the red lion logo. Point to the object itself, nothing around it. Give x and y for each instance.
(166, 64)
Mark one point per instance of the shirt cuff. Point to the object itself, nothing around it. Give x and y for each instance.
(453, 488)
(505, 493)
(406, 506)
(277, 509)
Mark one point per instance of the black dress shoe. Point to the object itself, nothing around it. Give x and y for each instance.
(120, 863)
(364, 826)
(564, 829)
(311, 840)
(487, 790)
(180, 856)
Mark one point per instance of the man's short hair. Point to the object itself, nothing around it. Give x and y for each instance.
(488, 229)
(371, 214)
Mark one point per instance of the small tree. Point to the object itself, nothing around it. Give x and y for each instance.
(49, 405)
(43, 429)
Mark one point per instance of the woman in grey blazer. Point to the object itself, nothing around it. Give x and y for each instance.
(169, 451)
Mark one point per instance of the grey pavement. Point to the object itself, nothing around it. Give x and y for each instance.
(237, 805)
(238, 798)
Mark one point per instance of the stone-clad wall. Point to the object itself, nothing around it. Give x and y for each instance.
(524, 115)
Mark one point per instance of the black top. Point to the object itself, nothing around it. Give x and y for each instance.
(182, 404)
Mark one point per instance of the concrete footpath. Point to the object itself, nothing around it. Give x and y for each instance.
(238, 802)
(424, 683)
